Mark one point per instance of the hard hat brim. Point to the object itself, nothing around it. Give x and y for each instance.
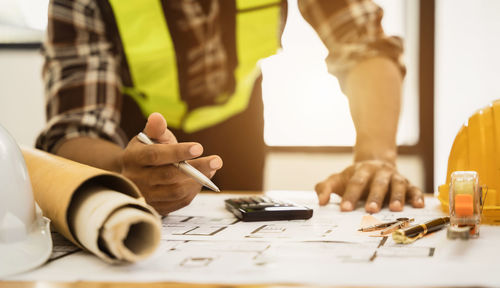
(31, 252)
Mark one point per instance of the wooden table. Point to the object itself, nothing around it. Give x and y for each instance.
(130, 285)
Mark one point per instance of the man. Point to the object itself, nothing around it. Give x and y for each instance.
(109, 63)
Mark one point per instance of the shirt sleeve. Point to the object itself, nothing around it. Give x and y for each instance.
(352, 31)
(82, 84)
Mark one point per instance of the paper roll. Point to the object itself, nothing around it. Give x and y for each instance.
(100, 211)
(114, 226)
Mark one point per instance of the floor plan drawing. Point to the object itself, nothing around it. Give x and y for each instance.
(213, 246)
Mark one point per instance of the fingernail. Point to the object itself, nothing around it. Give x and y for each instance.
(372, 207)
(396, 205)
(419, 202)
(215, 163)
(346, 206)
(196, 150)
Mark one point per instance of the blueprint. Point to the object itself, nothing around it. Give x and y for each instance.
(204, 243)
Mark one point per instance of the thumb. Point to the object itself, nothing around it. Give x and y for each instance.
(156, 128)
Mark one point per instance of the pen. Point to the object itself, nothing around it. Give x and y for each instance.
(184, 167)
(387, 225)
(377, 226)
(396, 226)
(412, 233)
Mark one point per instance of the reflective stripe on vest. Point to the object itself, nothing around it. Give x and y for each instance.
(152, 63)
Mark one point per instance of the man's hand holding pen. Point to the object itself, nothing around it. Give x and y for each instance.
(164, 186)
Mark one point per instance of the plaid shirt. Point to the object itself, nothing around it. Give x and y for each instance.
(85, 66)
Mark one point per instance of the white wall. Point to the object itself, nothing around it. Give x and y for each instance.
(467, 68)
(22, 110)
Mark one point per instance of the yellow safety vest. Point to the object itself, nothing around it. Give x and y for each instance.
(152, 62)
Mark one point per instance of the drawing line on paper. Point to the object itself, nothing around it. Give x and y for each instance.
(196, 262)
(210, 233)
(187, 219)
(269, 229)
(382, 242)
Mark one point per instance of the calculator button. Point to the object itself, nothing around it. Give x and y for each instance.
(256, 199)
(234, 201)
(231, 202)
(259, 199)
(245, 200)
(264, 205)
(266, 199)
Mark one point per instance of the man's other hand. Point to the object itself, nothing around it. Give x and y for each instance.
(371, 179)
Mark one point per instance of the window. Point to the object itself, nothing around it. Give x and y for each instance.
(22, 21)
(304, 105)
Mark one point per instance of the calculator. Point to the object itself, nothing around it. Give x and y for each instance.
(262, 208)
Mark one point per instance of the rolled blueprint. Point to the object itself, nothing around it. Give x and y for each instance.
(114, 226)
(100, 211)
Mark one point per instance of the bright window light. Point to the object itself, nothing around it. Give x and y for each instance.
(304, 105)
(23, 21)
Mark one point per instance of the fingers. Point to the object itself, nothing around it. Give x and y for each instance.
(168, 198)
(167, 138)
(170, 189)
(163, 175)
(207, 165)
(416, 197)
(155, 155)
(399, 185)
(375, 179)
(169, 174)
(323, 191)
(333, 184)
(173, 192)
(156, 128)
(399, 189)
(356, 186)
(378, 189)
(163, 208)
(164, 186)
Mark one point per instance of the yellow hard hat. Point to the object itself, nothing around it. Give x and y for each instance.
(477, 148)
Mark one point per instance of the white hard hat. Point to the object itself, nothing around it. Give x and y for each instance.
(25, 240)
